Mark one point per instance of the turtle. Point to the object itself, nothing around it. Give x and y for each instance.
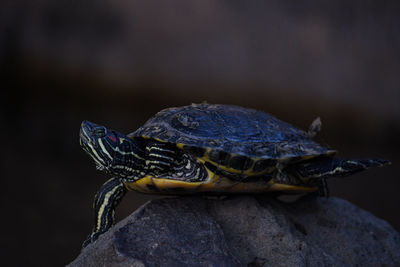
(210, 149)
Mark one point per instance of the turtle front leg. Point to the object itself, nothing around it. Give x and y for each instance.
(105, 202)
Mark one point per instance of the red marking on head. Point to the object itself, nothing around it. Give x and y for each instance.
(112, 138)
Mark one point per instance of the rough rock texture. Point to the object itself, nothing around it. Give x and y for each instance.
(246, 231)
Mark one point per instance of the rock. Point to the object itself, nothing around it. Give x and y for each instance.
(246, 231)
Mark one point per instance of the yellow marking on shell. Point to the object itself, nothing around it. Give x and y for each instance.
(248, 172)
(216, 184)
(164, 183)
(286, 187)
(103, 205)
(140, 185)
(161, 183)
(213, 184)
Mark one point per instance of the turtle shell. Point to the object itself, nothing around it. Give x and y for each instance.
(231, 129)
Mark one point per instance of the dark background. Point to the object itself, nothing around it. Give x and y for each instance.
(119, 62)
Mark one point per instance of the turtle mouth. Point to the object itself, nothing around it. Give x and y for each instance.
(84, 138)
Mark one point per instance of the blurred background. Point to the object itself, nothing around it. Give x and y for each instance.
(119, 62)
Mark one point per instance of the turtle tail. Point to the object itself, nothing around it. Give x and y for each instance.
(335, 167)
(317, 170)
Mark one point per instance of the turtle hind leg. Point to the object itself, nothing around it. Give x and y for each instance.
(334, 167)
(105, 202)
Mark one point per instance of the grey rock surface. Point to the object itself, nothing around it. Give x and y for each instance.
(246, 231)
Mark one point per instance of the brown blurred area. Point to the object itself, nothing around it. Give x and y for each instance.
(119, 62)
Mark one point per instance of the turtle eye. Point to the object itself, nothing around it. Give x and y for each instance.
(99, 132)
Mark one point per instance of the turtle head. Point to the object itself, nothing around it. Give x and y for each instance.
(102, 144)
